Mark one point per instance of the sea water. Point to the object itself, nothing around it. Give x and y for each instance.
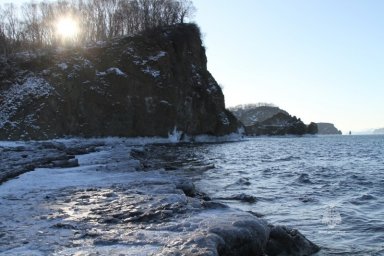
(331, 188)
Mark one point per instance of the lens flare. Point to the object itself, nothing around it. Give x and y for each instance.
(67, 28)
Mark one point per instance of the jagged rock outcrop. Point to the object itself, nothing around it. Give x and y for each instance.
(327, 128)
(270, 120)
(134, 86)
(280, 124)
(251, 114)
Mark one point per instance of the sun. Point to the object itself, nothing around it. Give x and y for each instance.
(67, 28)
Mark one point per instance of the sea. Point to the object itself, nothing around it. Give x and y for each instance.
(330, 188)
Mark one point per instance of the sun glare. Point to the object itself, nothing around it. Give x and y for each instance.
(67, 28)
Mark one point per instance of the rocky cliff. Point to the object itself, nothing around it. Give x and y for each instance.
(281, 124)
(270, 120)
(144, 85)
(327, 128)
(252, 114)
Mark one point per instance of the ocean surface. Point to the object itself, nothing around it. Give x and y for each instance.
(331, 188)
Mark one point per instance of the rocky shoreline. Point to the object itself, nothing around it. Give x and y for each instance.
(24, 157)
(99, 197)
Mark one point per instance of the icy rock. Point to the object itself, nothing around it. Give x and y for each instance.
(244, 198)
(23, 158)
(241, 197)
(66, 163)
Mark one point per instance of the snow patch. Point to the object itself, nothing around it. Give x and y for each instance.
(157, 56)
(63, 66)
(153, 72)
(213, 88)
(140, 62)
(101, 73)
(114, 71)
(13, 98)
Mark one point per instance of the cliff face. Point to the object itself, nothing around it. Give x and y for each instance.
(281, 124)
(136, 86)
(327, 128)
(270, 120)
(250, 115)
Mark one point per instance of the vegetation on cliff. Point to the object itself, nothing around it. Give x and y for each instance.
(44, 24)
(268, 119)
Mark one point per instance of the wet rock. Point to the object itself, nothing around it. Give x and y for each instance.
(51, 145)
(201, 168)
(20, 159)
(81, 150)
(307, 199)
(304, 178)
(188, 188)
(287, 241)
(105, 242)
(243, 181)
(213, 205)
(64, 226)
(67, 163)
(362, 199)
(241, 236)
(367, 197)
(110, 220)
(244, 237)
(89, 235)
(241, 197)
(257, 214)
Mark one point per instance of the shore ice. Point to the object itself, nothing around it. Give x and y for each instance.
(110, 206)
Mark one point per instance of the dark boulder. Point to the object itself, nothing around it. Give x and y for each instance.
(287, 241)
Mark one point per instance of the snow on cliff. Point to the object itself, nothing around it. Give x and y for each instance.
(13, 98)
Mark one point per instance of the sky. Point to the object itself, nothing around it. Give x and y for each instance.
(321, 60)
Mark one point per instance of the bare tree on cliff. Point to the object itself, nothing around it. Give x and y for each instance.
(186, 10)
(10, 27)
(98, 19)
